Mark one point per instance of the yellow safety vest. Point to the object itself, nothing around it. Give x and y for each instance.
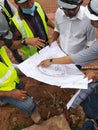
(6, 12)
(25, 30)
(8, 75)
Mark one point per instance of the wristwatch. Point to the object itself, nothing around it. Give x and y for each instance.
(23, 42)
(51, 60)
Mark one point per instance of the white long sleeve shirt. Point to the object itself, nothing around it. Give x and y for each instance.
(75, 33)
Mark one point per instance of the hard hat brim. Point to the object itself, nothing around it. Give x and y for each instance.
(66, 5)
(21, 1)
(89, 15)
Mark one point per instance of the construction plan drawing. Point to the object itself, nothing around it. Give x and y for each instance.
(62, 75)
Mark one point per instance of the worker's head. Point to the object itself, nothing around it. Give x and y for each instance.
(27, 6)
(70, 7)
(91, 12)
(5, 33)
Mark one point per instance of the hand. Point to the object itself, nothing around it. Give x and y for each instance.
(18, 94)
(92, 75)
(36, 42)
(45, 63)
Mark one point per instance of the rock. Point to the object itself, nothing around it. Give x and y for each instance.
(54, 123)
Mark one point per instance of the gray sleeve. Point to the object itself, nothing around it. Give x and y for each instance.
(87, 55)
(84, 93)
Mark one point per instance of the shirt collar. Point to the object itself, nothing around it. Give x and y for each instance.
(80, 14)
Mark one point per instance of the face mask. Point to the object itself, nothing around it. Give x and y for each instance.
(29, 11)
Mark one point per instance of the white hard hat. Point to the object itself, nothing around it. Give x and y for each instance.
(4, 28)
(91, 10)
(69, 4)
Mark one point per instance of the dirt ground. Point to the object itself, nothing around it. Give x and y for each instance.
(51, 100)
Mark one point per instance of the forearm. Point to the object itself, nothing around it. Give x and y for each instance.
(5, 93)
(62, 60)
(16, 94)
(54, 37)
(16, 44)
(50, 24)
(35, 42)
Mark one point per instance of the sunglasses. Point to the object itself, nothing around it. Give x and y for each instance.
(68, 9)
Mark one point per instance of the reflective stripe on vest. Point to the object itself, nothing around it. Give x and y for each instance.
(5, 11)
(25, 30)
(42, 15)
(8, 75)
(4, 78)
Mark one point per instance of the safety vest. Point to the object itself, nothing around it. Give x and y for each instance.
(8, 75)
(25, 30)
(6, 12)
